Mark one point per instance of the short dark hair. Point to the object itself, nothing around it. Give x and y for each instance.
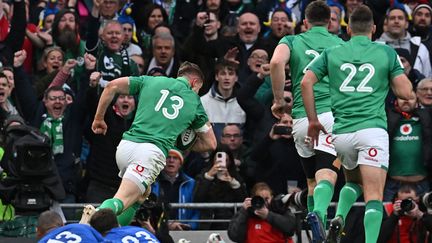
(189, 68)
(222, 64)
(397, 8)
(361, 20)
(318, 13)
(104, 220)
(47, 221)
(53, 88)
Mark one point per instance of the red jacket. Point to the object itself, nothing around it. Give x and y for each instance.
(260, 231)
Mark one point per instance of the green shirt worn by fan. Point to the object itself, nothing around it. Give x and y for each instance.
(166, 107)
(359, 72)
(304, 49)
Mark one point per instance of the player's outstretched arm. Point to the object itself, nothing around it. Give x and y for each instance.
(117, 86)
(206, 140)
(307, 83)
(280, 58)
(402, 87)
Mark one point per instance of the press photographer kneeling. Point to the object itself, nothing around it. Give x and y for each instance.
(262, 219)
(408, 220)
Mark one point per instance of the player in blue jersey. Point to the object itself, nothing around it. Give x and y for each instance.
(105, 222)
(73, 233)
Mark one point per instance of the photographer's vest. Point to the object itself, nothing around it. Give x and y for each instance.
(261, 231)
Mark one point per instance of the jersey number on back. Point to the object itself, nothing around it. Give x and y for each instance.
(353, 71)
(139, 234)
(315, 55)
(67, 237)
(176, 105)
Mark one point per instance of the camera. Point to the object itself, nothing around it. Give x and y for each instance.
(426, 200)
(407, 205)
(257, 202)
(148, 208)
(298, 200)
(282, 130)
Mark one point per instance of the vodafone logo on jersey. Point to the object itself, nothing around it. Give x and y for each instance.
(405, 129)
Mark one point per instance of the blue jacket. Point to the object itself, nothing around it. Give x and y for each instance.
(185, 196)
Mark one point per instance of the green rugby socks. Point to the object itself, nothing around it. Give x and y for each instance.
(372, 220)
(126, 217)
(322, 196)
(347, 197)
(115, 204)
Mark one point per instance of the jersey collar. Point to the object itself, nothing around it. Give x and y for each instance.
(360, 39)
(183, 80)
(319, 29)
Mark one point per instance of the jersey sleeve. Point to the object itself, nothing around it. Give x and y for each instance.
(200, 118)
(319, 66)
(137, 83)
(396, 67)
(287, 40)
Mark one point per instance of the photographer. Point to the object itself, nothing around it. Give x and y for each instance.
(259, 221)
(407, 221)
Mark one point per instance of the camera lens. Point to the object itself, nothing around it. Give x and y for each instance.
(407, 205)
(257, 202)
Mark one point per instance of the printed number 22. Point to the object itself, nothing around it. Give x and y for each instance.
(175, 106)
(353, 70)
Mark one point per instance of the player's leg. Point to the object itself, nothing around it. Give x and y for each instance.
(348, 155)
(327, 168)
(144, 162)
(373, 185)
(309, 165)
(127, 215)
(307, 157)
(373, 161)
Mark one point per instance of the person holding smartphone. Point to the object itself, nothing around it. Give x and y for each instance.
(219, 182)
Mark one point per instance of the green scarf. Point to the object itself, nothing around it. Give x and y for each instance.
(53, 128)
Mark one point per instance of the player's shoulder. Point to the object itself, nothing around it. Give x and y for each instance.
(287, 40)
(134, 233)
(77, 232)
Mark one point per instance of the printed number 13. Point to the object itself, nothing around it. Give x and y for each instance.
(175, 106)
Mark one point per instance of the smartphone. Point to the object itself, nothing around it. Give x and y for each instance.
(282, 130)
(221, 158)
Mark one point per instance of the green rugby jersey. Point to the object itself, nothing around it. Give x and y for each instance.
(305, 48)
(166, 107)
(360, 72)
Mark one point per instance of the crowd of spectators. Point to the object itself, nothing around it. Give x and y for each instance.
(56, 56)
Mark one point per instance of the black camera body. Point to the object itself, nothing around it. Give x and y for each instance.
(407, 205)
(282, 130)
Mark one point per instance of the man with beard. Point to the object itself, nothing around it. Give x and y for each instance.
(113, 60)
(421, 25)
(65, 33)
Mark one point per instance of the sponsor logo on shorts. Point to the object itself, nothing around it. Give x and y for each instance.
(405, 129)
(373, 152)
(328, 139)
(139, 169)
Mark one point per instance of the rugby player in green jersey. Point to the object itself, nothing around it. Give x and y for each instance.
(319, 162)
(360, 73)
(166, 107)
